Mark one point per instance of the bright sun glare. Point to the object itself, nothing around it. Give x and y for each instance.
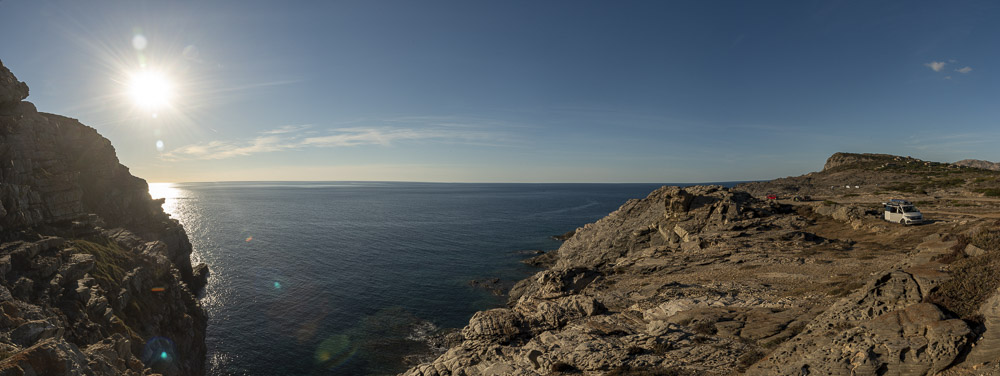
(150, 90)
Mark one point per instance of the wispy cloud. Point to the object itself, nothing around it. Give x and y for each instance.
(964, 70)
(293, 137)
(229, 149)
(953, 144)
(287, 129)
(937, 66)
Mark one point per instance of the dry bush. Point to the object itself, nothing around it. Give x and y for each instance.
(973, 279)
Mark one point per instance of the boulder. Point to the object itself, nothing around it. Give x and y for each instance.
(200, 277)
(973, 251)
(498, 325)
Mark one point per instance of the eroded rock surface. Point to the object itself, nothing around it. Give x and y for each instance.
(709, 280)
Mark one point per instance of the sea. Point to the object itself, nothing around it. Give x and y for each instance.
(352, 278)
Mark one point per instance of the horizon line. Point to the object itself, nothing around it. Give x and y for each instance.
(442, 182)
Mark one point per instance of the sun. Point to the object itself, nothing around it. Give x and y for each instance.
(150, 90)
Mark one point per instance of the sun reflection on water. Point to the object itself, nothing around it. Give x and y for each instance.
(169, 193)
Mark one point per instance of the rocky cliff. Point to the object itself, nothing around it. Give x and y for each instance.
(707, 280)
(94, 278)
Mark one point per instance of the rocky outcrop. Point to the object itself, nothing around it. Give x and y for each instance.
(709, 280)
(12, 91)
(607, 303)
(94, 276)
(978, 163)
(841, 160)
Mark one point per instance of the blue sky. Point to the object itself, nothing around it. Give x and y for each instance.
(514, 91)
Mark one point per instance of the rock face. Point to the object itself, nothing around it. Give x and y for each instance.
(94, 275)
(977, 163)
(711, 281)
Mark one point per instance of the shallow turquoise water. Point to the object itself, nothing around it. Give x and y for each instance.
(342, 278)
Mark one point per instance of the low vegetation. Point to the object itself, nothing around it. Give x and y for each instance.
(111, 262)
(989, 192)
(749, 358)
(974, 279)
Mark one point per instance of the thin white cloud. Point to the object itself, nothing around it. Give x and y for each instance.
(287, 129)
(947, 77)
(964, 70)
(226, 149)
(293, 138)
(937, 66)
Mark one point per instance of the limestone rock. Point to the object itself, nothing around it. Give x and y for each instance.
(917, 340)
(501, 325)
(973, 251)
(987, 348)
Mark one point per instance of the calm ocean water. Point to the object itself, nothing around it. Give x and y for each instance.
(342, 278)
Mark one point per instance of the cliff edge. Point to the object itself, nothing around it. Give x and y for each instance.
(95, 278)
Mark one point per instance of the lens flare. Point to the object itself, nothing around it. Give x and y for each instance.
(159, 353)
(139, 42)
(334, 351)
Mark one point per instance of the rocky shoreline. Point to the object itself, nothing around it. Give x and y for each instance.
(95, 279)
(707, 280)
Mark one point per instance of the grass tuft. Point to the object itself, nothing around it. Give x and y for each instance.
(111, 262)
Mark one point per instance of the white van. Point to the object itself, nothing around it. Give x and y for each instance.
(902, 211)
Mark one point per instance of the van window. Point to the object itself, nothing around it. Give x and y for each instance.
(909, 209)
